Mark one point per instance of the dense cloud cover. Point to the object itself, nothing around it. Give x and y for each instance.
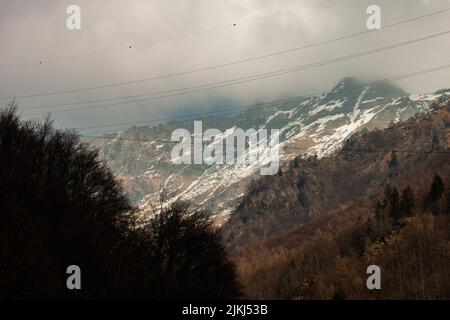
(33, 31)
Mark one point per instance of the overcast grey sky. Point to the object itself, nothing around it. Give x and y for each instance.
(32, 31)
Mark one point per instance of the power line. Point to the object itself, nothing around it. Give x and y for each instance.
(256, 77)
(290, 100)
(241, 61)
(260, 105)
(195, 70)
(149, 44)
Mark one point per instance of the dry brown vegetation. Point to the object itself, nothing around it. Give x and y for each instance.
(311, 232)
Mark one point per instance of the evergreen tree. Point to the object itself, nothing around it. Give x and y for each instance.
(379, 213)
(392, 199)
(387, 193)
(407, 202)
(301, 193)
(436, 142)
(448, 202)
(393, 161)
(437, 188)
(338, 294)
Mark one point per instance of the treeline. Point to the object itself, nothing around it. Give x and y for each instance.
(60, 206)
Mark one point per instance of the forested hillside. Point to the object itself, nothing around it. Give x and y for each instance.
(384, 199)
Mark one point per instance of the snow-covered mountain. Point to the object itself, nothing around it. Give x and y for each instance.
(318, 125)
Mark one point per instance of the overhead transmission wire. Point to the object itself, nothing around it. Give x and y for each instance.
(172, 38)
(273, 103)
(216, 66)
(333, 60)
(117, 84)
(252, 78)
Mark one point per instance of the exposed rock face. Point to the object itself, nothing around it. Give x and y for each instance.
(318, 125)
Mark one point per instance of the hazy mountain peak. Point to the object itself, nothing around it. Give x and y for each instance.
(387, 90)
(315, 125)
(347, 83)
(382, 89)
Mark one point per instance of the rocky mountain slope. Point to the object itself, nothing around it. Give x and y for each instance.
(317, 125)
(383, 199)
(365, 164)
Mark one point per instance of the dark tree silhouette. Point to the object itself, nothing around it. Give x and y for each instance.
(392, 200)
(393, 162)
(447, 205)
(437, 188)
(407, 202)
(60, 205)
(187, 256)
(380, 213)
(435, 142)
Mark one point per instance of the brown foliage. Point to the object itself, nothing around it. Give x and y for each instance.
(332, 218)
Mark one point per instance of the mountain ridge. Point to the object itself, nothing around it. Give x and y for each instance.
(311, 232)
(315, 125)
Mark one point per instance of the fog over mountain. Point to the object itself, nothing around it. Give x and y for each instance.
(36, 31)
(309, 127)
